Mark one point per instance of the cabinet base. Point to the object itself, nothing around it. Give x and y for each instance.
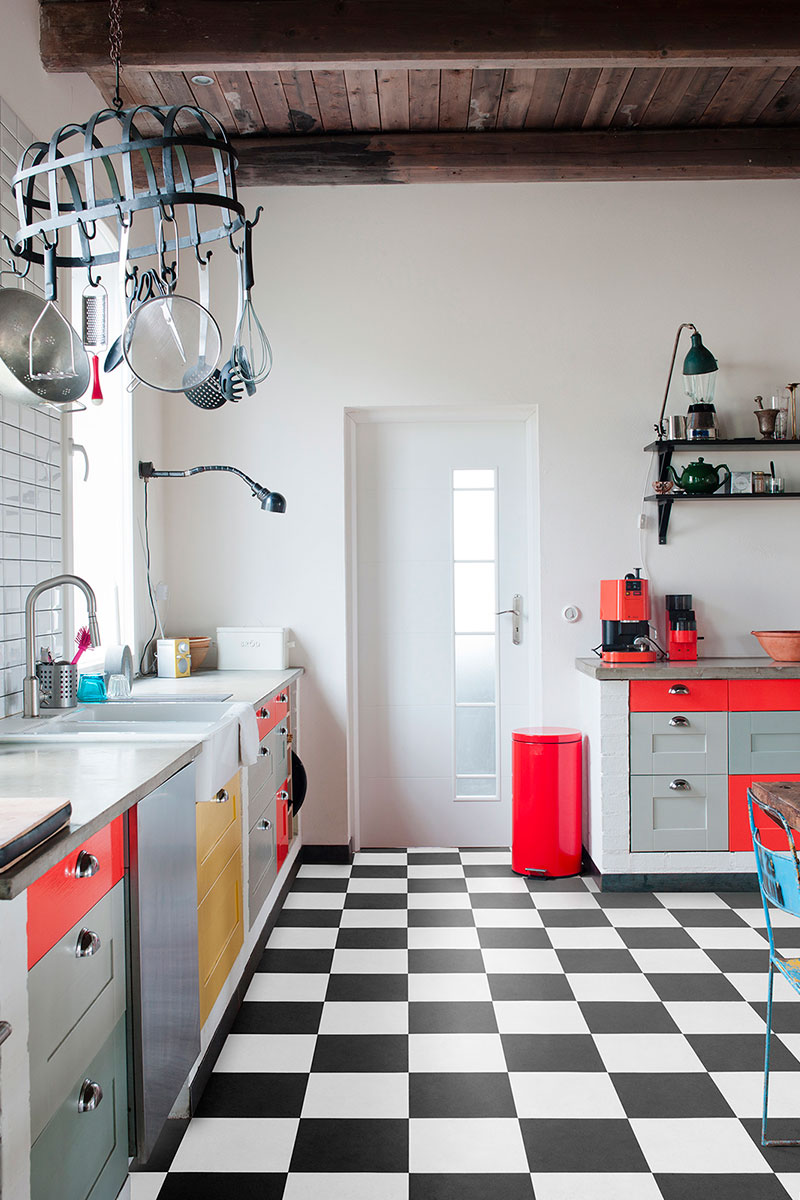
(721, 881)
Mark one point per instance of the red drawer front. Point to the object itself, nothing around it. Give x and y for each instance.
(764, 695)
(739, 821)
(271, 712)
(658, 695)
(60, 898)
(282, 819)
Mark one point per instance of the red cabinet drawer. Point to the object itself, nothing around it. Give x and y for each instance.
(271, 712)
(679, 695)
(61, 897)
(764, 695)
(738, 818)
(282, 822)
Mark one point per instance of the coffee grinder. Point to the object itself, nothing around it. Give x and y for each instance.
(681, 628)
(625, 616)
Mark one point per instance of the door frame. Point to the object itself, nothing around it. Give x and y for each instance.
(527, 414)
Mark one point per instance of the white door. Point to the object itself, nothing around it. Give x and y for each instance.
(442, 535)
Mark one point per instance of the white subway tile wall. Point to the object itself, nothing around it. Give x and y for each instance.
(30, 482)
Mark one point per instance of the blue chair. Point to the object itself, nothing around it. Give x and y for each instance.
(779, 881)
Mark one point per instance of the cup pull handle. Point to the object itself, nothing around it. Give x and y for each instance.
(680, 785)
(90, 1096)
(264, 824)
(679, 689)
(88, 944)
(221, 797)
(86, 865)
(682, 722)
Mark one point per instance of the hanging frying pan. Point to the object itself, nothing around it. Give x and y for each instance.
(299, 783)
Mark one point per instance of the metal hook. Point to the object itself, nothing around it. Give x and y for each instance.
(85, 227)
(12, 267)
(202, 261)
(93, 283)
(121, 217)
(167, 270)
(256, 218)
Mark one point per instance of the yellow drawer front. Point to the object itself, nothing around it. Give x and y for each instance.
(219, 832)
(220, 931)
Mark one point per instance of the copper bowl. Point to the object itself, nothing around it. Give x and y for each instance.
(782, 645)
(662, 486)
(198, 648)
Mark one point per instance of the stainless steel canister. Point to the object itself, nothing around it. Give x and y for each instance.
(58, 682)
(677, 428)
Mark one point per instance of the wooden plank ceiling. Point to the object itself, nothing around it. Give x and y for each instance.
(324, 123)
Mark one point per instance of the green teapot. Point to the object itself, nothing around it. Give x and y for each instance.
(700, 478)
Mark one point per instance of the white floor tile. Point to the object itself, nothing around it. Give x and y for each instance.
(382, 886)
(567, 937)
(144, 1185)
(368, 1017)
(491, 1145)
(641, 918)
(507, 918)
(374, 918)
(370, 962)
(521, 962)
(715, 1017)
(791, 1182)
(315, 900)
(361, 1185)
(486, 858)
(258, 1144)
(440, 871)
(539, 1016)
(324, 871)
(267, 1052)
(779, 918)
(646, 1052)
(744, 1092)
(438, 900)
(711, 937)
(448, 986)
(702, 1145)
(791, 1041)
(612, 987)
(571, 1095)
(448, 1052)
(496, 883)
(289, 937)
(595, 1186)
(674, 962)
(690, 900)
(433, 850)
(382, 858)
(361, 1094)
(752, 985)
(591, 884)
(550, 899)
(442, 937)
(278, 985)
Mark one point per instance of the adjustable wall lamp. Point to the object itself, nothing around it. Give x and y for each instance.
(270, 501)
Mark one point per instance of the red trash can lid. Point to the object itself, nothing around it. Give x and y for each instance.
(546, 733)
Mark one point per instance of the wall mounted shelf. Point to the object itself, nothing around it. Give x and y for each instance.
(665, 449)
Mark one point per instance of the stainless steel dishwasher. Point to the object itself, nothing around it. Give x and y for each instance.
(164, 980)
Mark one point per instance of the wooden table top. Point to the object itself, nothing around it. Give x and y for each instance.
(784, 797)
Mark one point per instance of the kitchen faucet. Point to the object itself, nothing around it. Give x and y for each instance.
(30, 687)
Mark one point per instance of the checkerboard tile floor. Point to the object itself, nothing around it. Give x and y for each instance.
(425, 1025)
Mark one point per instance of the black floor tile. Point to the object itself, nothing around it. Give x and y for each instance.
(221, 1185)
(786, 940)
(543, 1052)
(359, 988)
(460, 1016)
(437, 885)
(343, 1145)
(530, 987)
(251, 1094)
(780, 1158)
(367, 871)
(657, 939)
(454, 918)
(489, 871)
(296, 962)
(702, 986)
(627, 900)
(373, 1052)
(573, 918)
(720, 1187)
(433, 962)
(309, 918)
(597, 1145)
(785, 1014)
(739, 1052)
(500, 900)
(470, 1187)
(664, 1094)
(372, 939)
(636, 1016)
(453, 1094)
(574, 962)
(742, 899)
(301, 1016)
(514, 939)
(376, 900)
(704, 918)
(732, 962)
(338, 884)
(445, 858)
(573, 883)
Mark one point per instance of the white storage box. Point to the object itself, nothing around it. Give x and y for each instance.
(252, 648)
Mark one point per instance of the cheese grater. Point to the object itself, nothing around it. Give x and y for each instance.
(94, 302)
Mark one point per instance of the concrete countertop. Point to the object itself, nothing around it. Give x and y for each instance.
(759, 667)
(103, 779)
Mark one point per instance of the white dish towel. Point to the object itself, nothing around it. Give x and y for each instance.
(233, 744)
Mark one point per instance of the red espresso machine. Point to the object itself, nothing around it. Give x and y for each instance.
(625, 616)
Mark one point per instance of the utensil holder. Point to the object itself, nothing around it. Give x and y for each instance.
(58, 682)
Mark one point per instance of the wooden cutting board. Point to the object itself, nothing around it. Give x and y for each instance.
(26, 823)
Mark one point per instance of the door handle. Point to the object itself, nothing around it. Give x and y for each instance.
(682, 721)
(516, 612)
(680, 785)
(679, 689)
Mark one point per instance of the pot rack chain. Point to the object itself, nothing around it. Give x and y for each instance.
(115, 45)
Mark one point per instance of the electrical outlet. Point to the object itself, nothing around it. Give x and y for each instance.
(162, 592)
(643, 520)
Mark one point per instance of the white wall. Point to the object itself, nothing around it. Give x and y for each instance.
(564, 295)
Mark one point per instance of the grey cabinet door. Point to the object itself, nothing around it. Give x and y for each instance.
(262, 857)
(680, 743)
(684, 812)
(764, 742)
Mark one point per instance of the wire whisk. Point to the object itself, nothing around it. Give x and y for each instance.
(252, 352)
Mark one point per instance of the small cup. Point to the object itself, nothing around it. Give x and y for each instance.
(775, 485)
(91, 689)
(119, 688)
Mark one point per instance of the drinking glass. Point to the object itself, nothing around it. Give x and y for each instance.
(781, 402)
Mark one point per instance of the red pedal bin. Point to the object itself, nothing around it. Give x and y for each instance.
(547, 778)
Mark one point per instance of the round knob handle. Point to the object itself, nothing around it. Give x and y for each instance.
(89, 1096)
(88, 944)
(264, 824)
(680, 785)
(283, 730)
(680, 721)
(263, 713)
(679, 689)
(221, 797)
(86, 865)
(283, 698)
(264, 751)
(283, 795)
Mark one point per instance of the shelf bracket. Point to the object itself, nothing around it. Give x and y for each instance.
(664, 513)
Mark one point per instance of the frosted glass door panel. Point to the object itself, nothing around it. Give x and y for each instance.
(476, 744)
(474, 597)
(473, 525)
(476, 668)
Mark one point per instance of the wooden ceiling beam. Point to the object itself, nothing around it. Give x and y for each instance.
(520, 157)
(290, 35)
